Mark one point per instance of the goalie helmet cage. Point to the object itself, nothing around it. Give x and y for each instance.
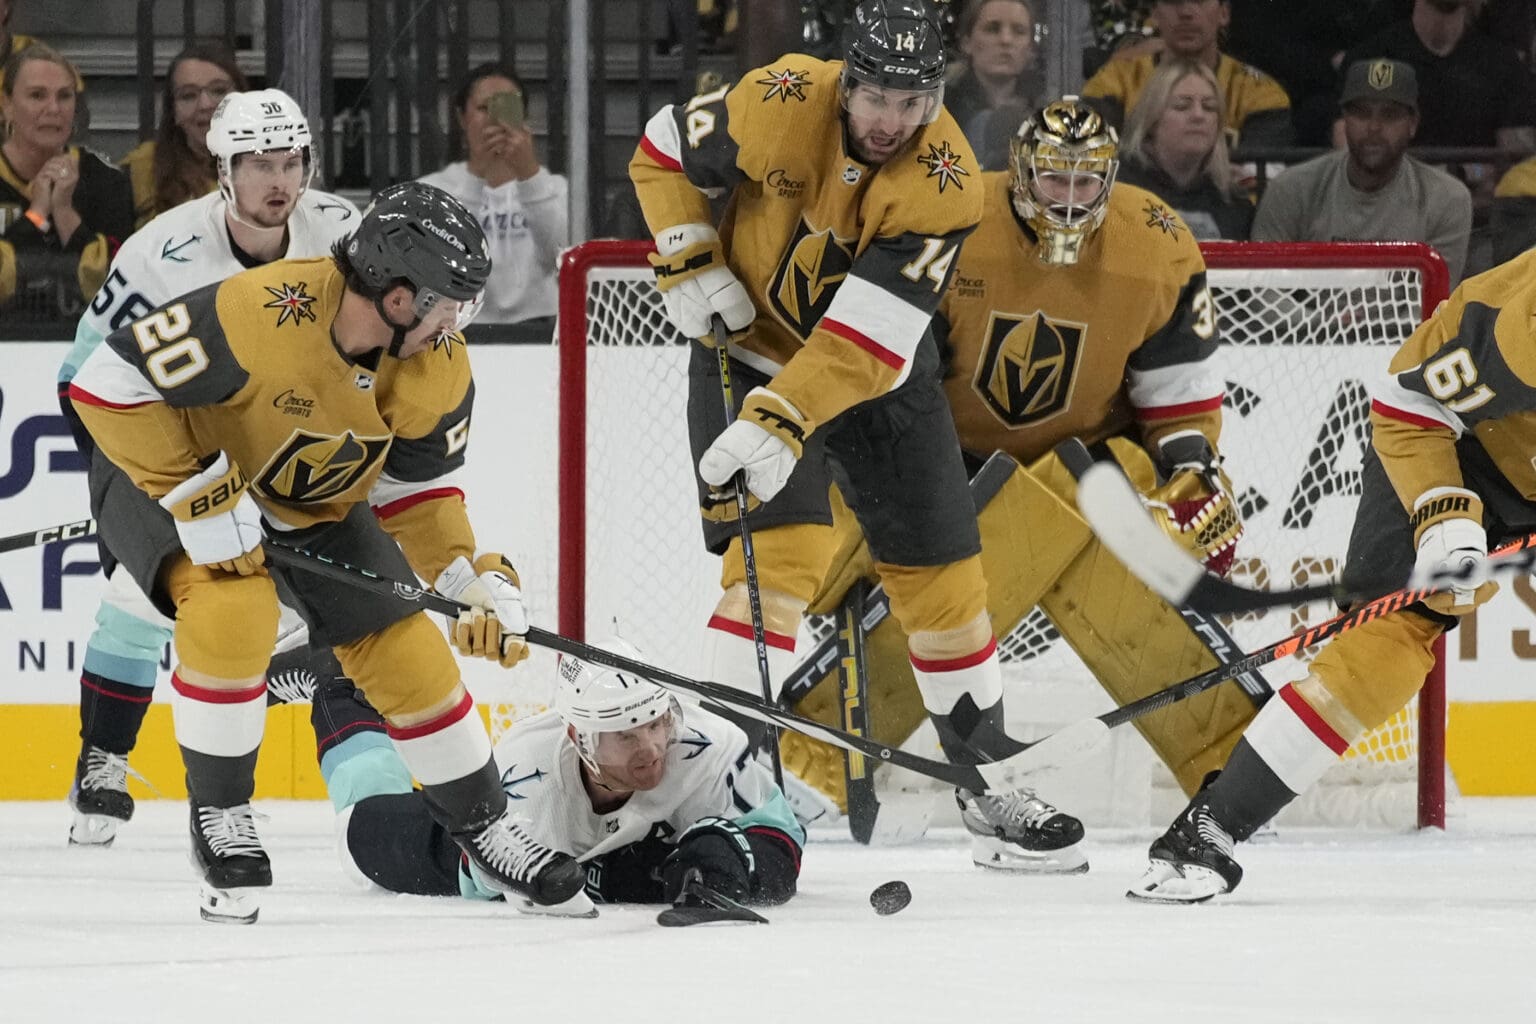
(1304, 325)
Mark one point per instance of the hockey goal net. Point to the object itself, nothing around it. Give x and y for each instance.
(1304, 326)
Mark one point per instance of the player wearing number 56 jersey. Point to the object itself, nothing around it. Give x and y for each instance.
(263, 210)
(852, 191)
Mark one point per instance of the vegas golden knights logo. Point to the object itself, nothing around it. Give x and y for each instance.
(1379, 75)
(1029, 367)
(807, 278)
(315, 467)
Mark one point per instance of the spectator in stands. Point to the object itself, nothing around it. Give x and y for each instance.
(1258, 112)
(997, 81)
(1514, 212)
(1119, 28)
(1176, 146)
(175, 166)
(62, 209)
(520, 204)
(1473, 90)
(1372, 191)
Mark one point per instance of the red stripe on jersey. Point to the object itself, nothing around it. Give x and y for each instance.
(209, 696)
(441, 722)
(1168, 412)
(79, 394)
(954, 664)
(864, 342)
(1404, 416)
(651, 150)
(1312, 720)
(744, 630)
(399, 505)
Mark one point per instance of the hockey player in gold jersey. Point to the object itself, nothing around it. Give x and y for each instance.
(325, 401)
(1448, 471)
(852, 190)
(1079, 308)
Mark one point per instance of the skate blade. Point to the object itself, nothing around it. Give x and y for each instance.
(578, 906)
(230, 906)
(97, 830)
(999, 855)
(1169, 883)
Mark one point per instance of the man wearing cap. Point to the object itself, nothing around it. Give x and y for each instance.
(1372, 191)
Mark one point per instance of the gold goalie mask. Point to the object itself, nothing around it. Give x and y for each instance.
(1062, 164)
(1195, 506)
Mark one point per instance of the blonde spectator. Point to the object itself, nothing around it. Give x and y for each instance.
(1175, 145)
(997, 86)
(175, 166)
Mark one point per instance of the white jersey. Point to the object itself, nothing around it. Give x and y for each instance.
(188, 247)
(526, 224)
(710, 773)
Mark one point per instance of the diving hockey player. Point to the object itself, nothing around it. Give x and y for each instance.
(617, 774)
(191, 398)
(853, 190)
(263, 210)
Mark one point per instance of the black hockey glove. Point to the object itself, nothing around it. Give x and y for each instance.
(720, 850)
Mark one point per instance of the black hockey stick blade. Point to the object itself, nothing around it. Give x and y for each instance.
(699, 904)
(64, 531)
(1011, 773)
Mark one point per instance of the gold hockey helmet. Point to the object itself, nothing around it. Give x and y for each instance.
(1063, 162)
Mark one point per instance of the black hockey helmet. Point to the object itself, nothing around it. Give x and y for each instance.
(424, 236)
(894, 44)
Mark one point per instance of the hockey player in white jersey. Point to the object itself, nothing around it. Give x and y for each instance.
(264, 210)
(619, 774)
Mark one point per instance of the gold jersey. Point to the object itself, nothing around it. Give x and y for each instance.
(844, 261)
(247, 366)
(1036, 354)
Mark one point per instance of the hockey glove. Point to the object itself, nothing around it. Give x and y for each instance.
(720, 850)
(217, 520)
(496, 623)
(695, 282)
(1452, 543)
(766, 440)
(1195, 506)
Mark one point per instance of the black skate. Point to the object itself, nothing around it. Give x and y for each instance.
(99, 797)
(1190, 863)
(227, 852)
(505, 858)
(1020, 832)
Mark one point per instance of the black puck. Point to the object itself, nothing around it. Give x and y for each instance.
(890, 897)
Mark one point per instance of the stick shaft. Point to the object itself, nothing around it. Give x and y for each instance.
(64, 531)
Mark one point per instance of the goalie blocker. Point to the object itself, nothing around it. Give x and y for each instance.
(1037, 551)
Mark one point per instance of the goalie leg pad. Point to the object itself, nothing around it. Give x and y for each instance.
(1365, 676)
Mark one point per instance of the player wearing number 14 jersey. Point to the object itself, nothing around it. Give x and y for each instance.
(852, 191)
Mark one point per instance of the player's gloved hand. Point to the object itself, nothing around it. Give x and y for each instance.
(1455, 544)
(217, 519)
(720, 850)
(696, 284)
(495, 625)
(766, 440)
(1195, 506)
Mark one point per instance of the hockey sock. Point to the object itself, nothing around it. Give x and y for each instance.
(450, 756)
(357, 760)
(730, 657)
(112, 712)
(220, 734)
(117, 680)
(964, 697)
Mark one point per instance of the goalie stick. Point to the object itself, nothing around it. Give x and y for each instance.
(47, 535)
(1115, 511)
(1061, 747)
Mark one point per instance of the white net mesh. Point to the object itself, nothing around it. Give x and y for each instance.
(1301, 343)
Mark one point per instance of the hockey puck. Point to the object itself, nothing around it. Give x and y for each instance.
(890, 897)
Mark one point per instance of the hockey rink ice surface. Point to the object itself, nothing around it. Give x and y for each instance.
(1326, 927)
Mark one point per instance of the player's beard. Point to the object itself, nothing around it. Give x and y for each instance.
(265, 216)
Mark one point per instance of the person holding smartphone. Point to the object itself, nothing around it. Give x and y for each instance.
(521, 206)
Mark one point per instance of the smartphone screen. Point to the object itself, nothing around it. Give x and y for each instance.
(507, 108)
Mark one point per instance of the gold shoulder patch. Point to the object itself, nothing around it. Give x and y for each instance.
(944, 164)
(1159, 216)
(292, 302)
(785, 85)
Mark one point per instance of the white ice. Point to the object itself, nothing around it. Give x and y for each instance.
(1326, 927)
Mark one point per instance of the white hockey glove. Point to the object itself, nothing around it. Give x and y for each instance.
(1455, 544)
(217, 519)
(695, 282)
(766, 440)
(495, 624)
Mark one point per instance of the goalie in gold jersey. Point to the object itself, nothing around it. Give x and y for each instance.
(1079, 308)
(852, 190)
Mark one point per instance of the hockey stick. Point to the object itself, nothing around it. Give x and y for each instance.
(1060, 748)
(1116, 513)
(858, 774)
(697, 903)
(64, 531)
(748, 552)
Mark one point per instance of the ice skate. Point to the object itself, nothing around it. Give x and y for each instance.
(99, 798)
(505, 858)
(1190, 863)
(1019, 832)
(227, 852)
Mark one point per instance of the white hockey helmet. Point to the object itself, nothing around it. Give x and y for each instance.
(260, 121)
(593, 699)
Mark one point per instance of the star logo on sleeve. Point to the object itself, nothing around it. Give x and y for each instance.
(786, 85)
(944, 163)
(1159, 216)
(292, 303)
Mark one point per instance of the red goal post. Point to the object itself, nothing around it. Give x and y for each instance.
(1303, 323)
